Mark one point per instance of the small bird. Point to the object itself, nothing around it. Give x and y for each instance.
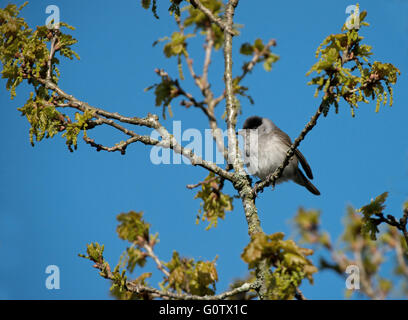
(265, 147)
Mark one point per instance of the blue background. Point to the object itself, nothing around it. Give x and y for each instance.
(53, 202)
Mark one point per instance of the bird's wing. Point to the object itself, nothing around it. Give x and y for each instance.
(302, 180)
(299, 155)
(304, 164)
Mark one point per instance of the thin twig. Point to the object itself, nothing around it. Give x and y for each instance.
(247, 68)
(139, 289)
(121, 146)
(299, 295)
(217, 20)
(193, 186)
(202, 83)
(151, 121)
(392, 221)
(151, 254)
(53, 49)
(181, 91)
(209, 44)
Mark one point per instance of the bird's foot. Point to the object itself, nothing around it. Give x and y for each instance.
(254, 189)
(268, 178)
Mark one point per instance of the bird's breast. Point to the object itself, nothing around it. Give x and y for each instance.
(265, 154)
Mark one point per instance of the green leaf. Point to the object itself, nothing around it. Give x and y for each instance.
(146, 4)
(288, 260)
(214, 203)
(198, 278)
(246, 49)
(340, 58)
(94, 252)
(132, 227)
(376, 206)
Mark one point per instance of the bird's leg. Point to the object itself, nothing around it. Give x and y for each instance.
(273, 183)
(254, 191)
(258, 182)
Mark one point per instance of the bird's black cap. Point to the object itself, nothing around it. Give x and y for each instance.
(252, 122)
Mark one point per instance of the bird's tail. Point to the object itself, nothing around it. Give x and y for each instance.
(303, 181)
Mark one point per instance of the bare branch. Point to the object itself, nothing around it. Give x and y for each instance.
(197, 79)
(193, 186)
(243, 184)
(181, 91)
(151, 121)
(219, 99)
(151, 254)
(209, 44)
(202, 83)
(231, 107)
(54, 40)
(121, 146)
(299, 295)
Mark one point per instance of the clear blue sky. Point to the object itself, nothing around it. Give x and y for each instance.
(53, 202)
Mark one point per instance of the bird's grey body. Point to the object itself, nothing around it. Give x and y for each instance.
(265, 147)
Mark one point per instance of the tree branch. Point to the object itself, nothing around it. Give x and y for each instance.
(271, 179)
(231, 108)
(390, 220)
(193, 186)
(248, 67)
(209, 44)
(299, 295)
(243, 183)
(54, 39)
(121, 146)
(217, 20)
(151, 254)
(139, 289)
(202, 83)
(151, 121)
(181, 91)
